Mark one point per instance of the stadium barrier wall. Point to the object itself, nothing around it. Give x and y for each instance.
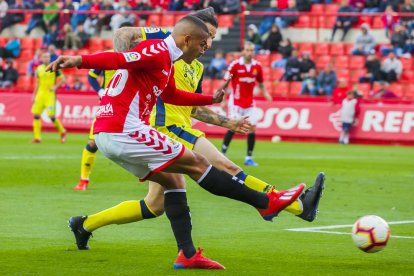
(378, 122)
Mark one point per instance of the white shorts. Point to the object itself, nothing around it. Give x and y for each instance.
(236, 112)
(141, 153)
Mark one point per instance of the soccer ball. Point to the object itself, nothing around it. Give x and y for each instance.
(370, 233)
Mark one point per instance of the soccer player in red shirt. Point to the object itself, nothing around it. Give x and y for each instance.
(246, 73)
(123, 135)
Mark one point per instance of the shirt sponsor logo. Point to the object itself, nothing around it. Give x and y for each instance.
(105, 111)
(151, 30)
(247, 79)
(132, 56)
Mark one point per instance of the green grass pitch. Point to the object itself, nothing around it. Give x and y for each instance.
(36, 199)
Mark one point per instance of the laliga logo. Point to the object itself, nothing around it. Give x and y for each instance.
(335, 119)
(58, 111)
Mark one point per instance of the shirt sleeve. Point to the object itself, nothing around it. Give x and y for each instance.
(144, 55)
(259, 76)
(174, 96)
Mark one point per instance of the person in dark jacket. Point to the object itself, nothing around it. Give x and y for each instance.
(327, 80)
(292, 69)
(373, 66)
(10, 75)
(285, 49)
(273, 40)
(13, 18)
(343, 22)
(306, 64)
(37, 18)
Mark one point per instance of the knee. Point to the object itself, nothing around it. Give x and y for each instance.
(201, 162)
(226, 165)
(92, 145)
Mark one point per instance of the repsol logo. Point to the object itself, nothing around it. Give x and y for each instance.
(388, 121)
(285, 118)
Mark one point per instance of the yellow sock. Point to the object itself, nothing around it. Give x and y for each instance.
(125, 212)
(87, 163)
(59, 126)
(37, 128)
(261, 186)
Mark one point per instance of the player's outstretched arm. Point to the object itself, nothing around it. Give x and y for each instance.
(64, 62)
(206, 115)
(127, 38)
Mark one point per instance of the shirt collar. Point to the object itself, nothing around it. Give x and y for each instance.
(174, 51)
(241, 61)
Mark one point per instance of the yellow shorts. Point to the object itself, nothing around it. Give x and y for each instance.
(45, 100)
(91, 136)
(186, 136)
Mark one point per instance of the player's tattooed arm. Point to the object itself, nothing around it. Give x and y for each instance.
(127, 38)
(206, 115)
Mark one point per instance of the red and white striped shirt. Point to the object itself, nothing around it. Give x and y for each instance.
(244, 80)
(146, 72)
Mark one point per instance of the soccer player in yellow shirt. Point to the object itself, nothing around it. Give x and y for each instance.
(175, 122)
(44, 97)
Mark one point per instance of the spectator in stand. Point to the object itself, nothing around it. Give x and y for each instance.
(176, 5)
(254, 37)
(37, 18)
(285, 49)
(365, 42)
(10, 75)
(292, 68)
(357, 5)
(104, 19)
(287, 20)
(349, 113)
(407, 21)
(52, 52)
(391, 69)
(51, 17)
(142, 5)
(310, 84)
(217, 65)
(12, 48)
(303, 5)
(383, 92)
(52, 36)
(271, 43)
(13, 18)
(343, 22)
(78, 85)
(399, 40)
(36, 61)
(79, 18)
(371, 6)
(72, 40)
(373, 66)
(340, 91)
(390, 20)
(306, 64)
(269, 20)
(230, 6)
(121, 17)
(383, 4)
(327, 80)
(4, 6)
(68, 6)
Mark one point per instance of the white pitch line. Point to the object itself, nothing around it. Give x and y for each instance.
(38, 157)
(319, 229)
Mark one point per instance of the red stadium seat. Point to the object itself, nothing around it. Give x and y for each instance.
(377, 23)
(22, 67)
(337, 49)
(269, 87)
(365, 89)
(322, 49)
(356, 74)
(70, 52)
(397, 88)
(295, 87)
(154, 20)
(277, 74)
(25, 83)
(343, 73)
(263, 59)
(38, 43)
(364, 19)
(225, 21)
(304, 21)
(83, 52)
(317, 8)
(322, 61)
(69, 71)
(356, 62)
(26, 55)
(407, 76)
(342, 62)
(348, 48)
(407, 63)
(206, 86)
(329, 21)
(409, 92)
(275, 57)
(280, 89)
(27, 43)
(306, 47)
(215, 85)
(167, 20)
(267, 74)
(331, 8)
(96, 45)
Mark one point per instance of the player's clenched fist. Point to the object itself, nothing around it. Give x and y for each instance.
(65, 62)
